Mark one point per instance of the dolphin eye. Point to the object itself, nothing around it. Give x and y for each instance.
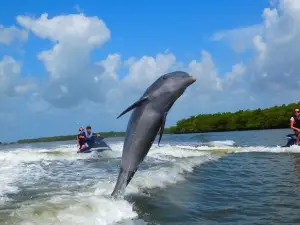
(164, 77)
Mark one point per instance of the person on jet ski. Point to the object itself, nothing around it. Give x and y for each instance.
(90, 135)
(295, 124)
(81, 139)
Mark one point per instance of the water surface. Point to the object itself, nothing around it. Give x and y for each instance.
(182, 182)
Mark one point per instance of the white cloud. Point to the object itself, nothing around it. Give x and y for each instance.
(111, 65)
(206, 73)
(278, 50)
(235, 80)
(11, 84)
(141, 74)
(274, 68)
(74, 37)
(74, 80)
(240, 39)
(10, 34)
(143, 71)
(77, 8)
(90, 89)
(72, 77)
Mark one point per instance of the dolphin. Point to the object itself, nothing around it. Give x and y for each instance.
(147, 119)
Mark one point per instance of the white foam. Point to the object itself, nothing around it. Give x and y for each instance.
(81, 209)
(174, 151)
(223, 143)
(64, 152)
(163, 174)
(14, 165)
(204, 147)
(94, 206)
(33, 155)
(8, 175)
(278, 149)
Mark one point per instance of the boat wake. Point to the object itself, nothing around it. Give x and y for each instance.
(59, 186)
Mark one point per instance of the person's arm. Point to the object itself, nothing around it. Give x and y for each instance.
(97, 135)
(292, 125)
(77, 140)
(83, 135)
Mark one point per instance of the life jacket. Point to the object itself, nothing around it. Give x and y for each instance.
(81, 134)
(297, 121)
(81, 140)
(89, 136)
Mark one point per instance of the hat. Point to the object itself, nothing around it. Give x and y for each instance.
(88, 127)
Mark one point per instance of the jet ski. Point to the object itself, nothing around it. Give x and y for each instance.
(291, 140)
(97, 145)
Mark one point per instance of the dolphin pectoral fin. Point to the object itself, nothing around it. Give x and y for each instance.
(162, 127)
(136, 104)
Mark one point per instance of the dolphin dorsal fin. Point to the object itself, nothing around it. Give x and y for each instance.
(162, 126)
(136, 104)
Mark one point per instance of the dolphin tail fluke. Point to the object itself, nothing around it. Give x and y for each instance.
(136, 104)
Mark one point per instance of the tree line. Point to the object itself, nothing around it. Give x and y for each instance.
(68, 137)
(269, 118)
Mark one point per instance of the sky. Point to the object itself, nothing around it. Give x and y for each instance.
(72, 63)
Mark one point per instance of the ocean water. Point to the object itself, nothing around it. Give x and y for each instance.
(190, 179)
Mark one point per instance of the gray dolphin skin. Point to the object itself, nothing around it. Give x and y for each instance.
(148, 117)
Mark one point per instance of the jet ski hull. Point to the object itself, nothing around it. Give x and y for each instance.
(98, 145)
(291, 140)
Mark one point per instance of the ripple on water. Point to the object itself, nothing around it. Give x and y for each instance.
(228, 193)
(173, 186)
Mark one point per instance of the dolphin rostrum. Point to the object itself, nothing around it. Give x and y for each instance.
(148, 117)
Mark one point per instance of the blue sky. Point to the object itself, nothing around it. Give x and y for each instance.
(56, 97)
(184, 27)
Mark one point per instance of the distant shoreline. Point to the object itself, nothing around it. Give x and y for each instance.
(69, 137)
(122, 134)
(276, 117)
(219, 131)
(66, 137)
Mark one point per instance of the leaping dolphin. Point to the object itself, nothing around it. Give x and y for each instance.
(148, 117)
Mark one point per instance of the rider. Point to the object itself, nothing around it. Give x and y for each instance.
(81, 139)
(295, 124)
(90, 135)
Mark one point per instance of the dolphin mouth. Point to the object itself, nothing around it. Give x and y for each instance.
(192, 79)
